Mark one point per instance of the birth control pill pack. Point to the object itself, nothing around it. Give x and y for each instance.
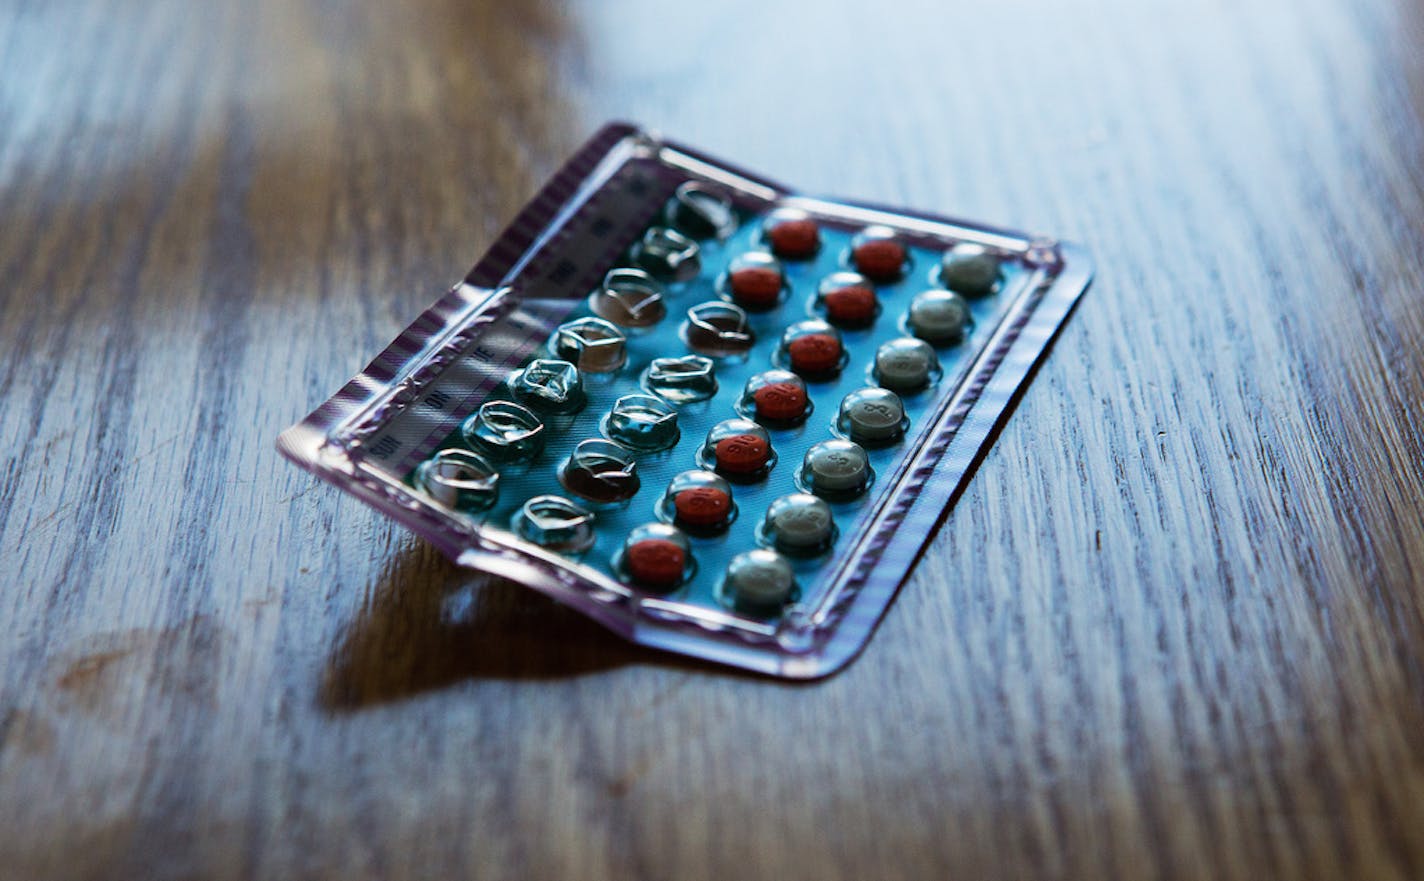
(717, 416)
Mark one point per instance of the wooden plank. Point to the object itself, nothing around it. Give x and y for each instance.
(1174, 628)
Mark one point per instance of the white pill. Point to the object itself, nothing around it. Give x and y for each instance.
(837, 466)
(759, 580)
(904, 364)
(872, 414)
(939, 317)
(799, 522)
(970, 269)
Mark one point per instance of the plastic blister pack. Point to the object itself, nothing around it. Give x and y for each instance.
(716, 416)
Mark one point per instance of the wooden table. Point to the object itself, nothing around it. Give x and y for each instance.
(1173, 629)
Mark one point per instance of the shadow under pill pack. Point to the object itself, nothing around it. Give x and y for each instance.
(716, 416)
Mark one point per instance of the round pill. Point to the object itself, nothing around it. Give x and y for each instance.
(905, 364)
(940, 317)
(702, 506)
(970, 269)
(759, 581)
(852, 306)
(655, 562)
(794, 238)
(780, 401)
(879, 259)
(814, 353)
(799, 522)
(755, 287)
(872, 414)
(697, 501)
(742, 453)
(836, 466)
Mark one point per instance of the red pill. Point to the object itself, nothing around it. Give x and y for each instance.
(655, 562)
(742, 453)
(702, 506)
(795, 239)
(852, 306)
(755, 287)
(780, 400)
(814, 353)
(879, 259)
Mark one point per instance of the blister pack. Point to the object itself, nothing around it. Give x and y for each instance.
(716, 416)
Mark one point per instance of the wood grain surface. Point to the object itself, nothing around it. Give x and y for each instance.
(1174, 628)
